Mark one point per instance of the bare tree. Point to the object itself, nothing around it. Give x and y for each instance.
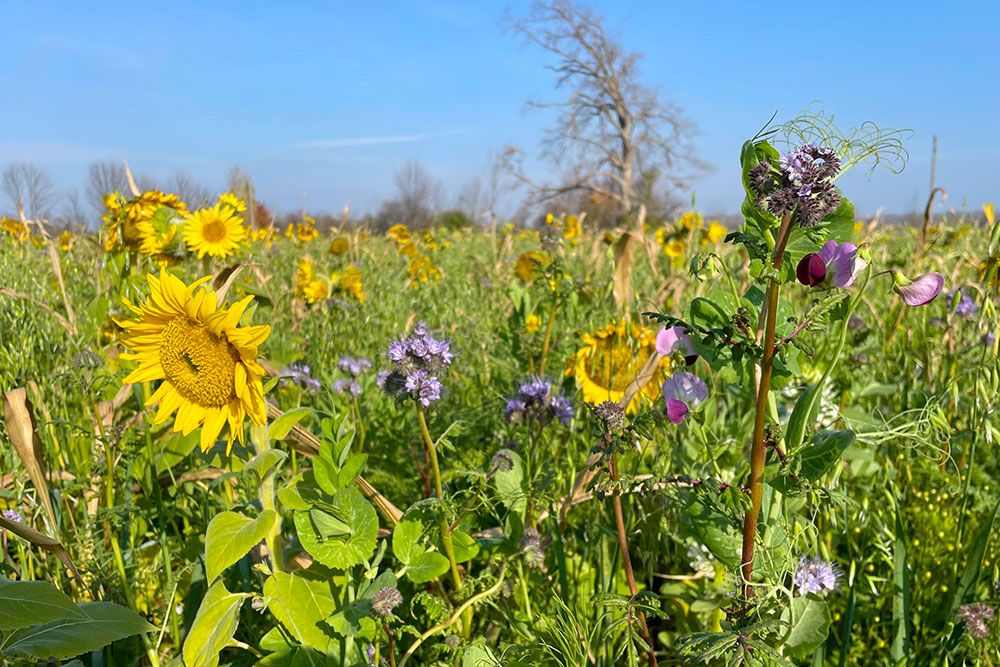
(30, 188)
(480, 196)
(72, 215)
(417, 201)
(103, 178)
(612, 129)
(193, 193)
(241, 184)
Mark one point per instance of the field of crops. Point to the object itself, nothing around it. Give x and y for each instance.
(533, 443)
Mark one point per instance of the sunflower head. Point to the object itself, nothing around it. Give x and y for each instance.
(530, 265)
(340, 245)
(232, 201)
(609, 360)
(205, 361)
(399, 233)
(143, 224)
(306, 231)
(349, 281)
(215, 231)
(15, 229)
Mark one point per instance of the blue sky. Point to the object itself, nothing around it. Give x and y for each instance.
(321, 102)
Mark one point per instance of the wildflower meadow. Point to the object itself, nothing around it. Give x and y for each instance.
(568, 438)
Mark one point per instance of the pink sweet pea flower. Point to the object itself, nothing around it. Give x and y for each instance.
(676, 338)
(683, 391)
(919, 291)
(836, 264)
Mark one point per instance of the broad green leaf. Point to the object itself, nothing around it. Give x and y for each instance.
(274, 640)
(337, 549)
(213, 627)
(261, 464)
(508, 484)
(426, 567)
(809, 624)
(406, 541)
(230, 536)
(326, 474)
(280, 427)
(290, 496)
(465, 547)
(24, 603)
(105, 622)
(803, 416)
(823, 453)
(300, 656)
(352, 466)
(301, 605)
(716, 532)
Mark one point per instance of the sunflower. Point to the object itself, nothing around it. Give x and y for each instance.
(573, 230)
(421, 270)
(690, 220)
(16, 229)
(206, 361)
(609, 360)
(408, 249)
(233, 202)
(674, 248)
(315, 290)
(340, 245)
(349, 281)
(215, 231)
(130, 225)
(399, 233)
(305, 231)
(716, 231)
(66, 241)
(530, 265)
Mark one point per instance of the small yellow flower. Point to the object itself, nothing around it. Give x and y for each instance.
(859, 226)
(340, 245)
(66, 241)
(549, 218)
(422, 270)
(532, 323)
(289, 231)
(716, 231)
(988, 212)
(399, 233)
(315, 290)
(408, 249)
(349, 281)
(674, 248)
(662, 235)
(573, 230)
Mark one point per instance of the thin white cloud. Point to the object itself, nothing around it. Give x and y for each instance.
(361, 141)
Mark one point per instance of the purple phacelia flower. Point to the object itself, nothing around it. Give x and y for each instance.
(536, 401)
(963, 304)
(801, 185)
(347, 386)
(300, 374)
(976, 617)
(423, 387)
(12, 515)
(816, 576)
(354, 366)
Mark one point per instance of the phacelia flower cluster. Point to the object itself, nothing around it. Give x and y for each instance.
(536, 402)
(976, 618)
(12, 515)
(417, 361)
(801, 184)
(300, 374)
(353, 367)
(817, 576)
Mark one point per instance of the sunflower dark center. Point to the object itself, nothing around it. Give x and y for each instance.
(200, 365)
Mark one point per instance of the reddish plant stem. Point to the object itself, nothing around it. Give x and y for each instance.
(626, 560)
(758, 449)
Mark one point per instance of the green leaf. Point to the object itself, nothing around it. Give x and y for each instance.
(352, 466)
(24, 603)
(803, 416)
(508, 484)
(716, 532)
(465, 547)
(900, 593)
(327, 474)
(334, 548)
(290, 496)
(406, 541)
(809, 625)
(974, 562)
(230, 536)
(261, 464)
(822, 455)
(213, 627)
(280, 427)
(426, 567)
(105, 622)
(300, 604)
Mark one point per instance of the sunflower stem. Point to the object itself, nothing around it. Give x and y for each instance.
(261, 443)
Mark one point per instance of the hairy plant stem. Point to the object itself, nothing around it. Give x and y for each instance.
(616, 499)
(549, 326)
(758, 450)
(266, 494)
(449, 549)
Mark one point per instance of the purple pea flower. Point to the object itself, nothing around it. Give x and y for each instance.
(836, 264)
(919, 291)
(683, 391)
(676, 338)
